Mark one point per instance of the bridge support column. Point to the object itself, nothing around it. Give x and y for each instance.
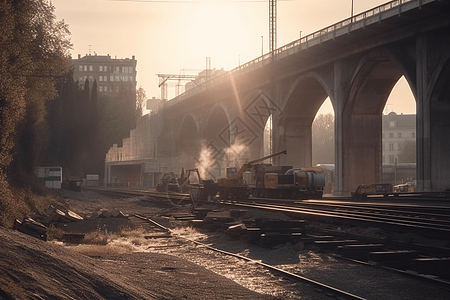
(358, 133)
(294, 135)
(433, 111)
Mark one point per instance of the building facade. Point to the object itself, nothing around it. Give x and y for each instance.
(110, 73)
(397, 131)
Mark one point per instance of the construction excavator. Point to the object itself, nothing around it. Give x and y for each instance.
(234, 186)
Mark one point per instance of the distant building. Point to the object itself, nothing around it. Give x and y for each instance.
(204, 76)
(397, 129)
(109, 72)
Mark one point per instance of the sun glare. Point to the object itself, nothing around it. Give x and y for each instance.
(222, 32)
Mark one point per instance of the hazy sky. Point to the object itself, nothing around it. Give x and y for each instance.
(176, 36)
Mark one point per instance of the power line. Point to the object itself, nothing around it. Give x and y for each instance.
(199, 1)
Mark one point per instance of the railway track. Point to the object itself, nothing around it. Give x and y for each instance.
(320, 287)
(431, 220)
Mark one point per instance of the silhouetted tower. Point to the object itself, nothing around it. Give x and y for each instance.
(272, 47)
(272, 25)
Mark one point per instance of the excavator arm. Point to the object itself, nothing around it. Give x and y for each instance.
(247, 165)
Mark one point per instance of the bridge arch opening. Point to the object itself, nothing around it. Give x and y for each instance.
(323, 143)
(362, 121)
(189, 143)
(213, 158)
(296, 122)
(399, 137)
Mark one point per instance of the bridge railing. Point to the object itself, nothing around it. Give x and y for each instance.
(301, 44)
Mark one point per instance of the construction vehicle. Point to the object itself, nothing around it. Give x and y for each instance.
(171, 182)
(373, 190)
(294, 183)
(199, 189)
(234, 186)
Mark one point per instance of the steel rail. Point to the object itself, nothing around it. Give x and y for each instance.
(429, 229)
(438, 219)
(283, 273)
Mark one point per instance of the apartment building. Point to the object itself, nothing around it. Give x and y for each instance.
(109, 72)
(397, 130)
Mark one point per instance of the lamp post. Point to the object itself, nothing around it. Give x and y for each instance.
(352, 13)
(262, 45)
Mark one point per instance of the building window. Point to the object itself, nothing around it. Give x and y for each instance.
(125, 78)
(100, 78)
(391, 159)
(117, 69)
(80, 68)
(80, 79)
(100, 68)
(91, 68)
(85, 68)
(117, 78)
(111, 78)
(100, 88)
(391, 146)
(391, 135)
(130, 69)
(399, 134)
(91, 78)
(400, 146)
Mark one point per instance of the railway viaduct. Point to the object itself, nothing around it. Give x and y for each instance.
(356, 63)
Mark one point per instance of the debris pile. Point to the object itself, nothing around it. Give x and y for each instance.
(104, 213)
(64, 218)
(265, 231)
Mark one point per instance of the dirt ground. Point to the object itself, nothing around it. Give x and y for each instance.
(34, 269)
(163, 269)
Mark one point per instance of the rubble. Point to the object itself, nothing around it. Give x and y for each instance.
(60, 216)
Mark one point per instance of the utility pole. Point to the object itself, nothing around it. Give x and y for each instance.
(272, 47)
(272, 25)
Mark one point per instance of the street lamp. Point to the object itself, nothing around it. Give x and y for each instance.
(352, 13)
(262, 45)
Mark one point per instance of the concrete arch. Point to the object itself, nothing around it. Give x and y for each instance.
(300, 107)
(360, 121)
(251, 121)
(392, 66)
(210, 115)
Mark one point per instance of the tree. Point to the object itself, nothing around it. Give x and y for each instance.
(408, 154)
(34, 53)
(323, 139)
(141, 97)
